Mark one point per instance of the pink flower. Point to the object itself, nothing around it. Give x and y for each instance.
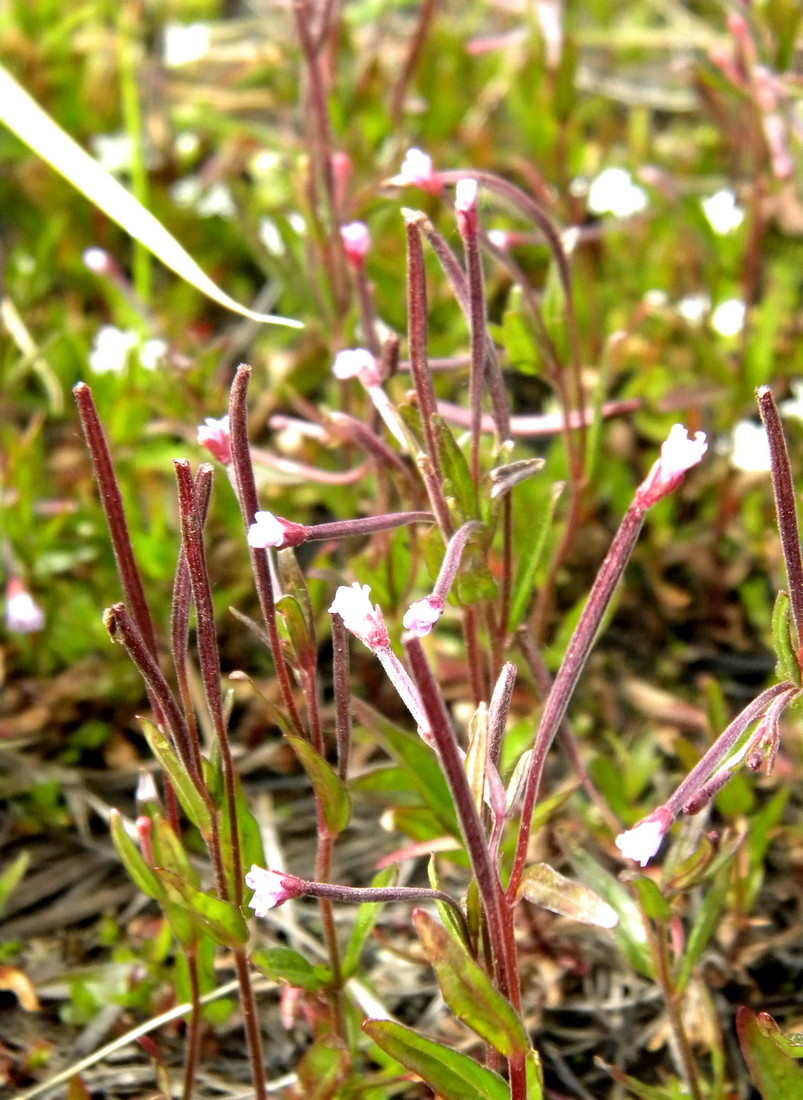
(23, 614)
(271, 888)
(416, 171)
(214, 435)
(356, 242)
(678, 454)
(642, 841)
(422, 615)
(360, 617)
(357, 363)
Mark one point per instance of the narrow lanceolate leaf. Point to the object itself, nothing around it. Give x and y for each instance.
(220, 919)
(189, 796)
(32, 125)
(283, 964)
(775, 1074)
(329, 787)
(453, 1076)
(788, 665)
(544, 886)
(133, 860)
(468, 990)
(367, 916)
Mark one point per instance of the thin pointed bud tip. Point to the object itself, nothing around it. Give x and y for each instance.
(643, 841)
(679, 453)
(271, 888)
(269, 530)
(422, 615)
(214, 435)
(364, 620)
(356, 243)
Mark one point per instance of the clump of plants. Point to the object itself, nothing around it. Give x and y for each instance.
(457, 505)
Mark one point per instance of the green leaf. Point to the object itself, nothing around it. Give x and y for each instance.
(33, 126)
(774, 1073)
(329, 787)
(630, 932)
(652, 900)
(468, 990)
(294, 584)
(220, 919)
(169, 852)
(535, 1076)
(366, 919)
(283, 964)
(705, 924)
(189, 796)
(446, 912)
(453, 1076)
(791, 1044)
(419, 761)
(533, 548)
(13, 875)
(133, 860)
(299, 646)
(323, 1069)
(788, 666)
(456, 474)
(251, 849)
(544, 886)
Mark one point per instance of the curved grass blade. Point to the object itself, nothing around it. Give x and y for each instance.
(33, 126)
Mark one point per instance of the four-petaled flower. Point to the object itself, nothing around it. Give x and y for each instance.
(360, 616)
(422, 615)
(271, 888)
(678, 454)
(23, 613)
(356, 242)
(417, 171)
(214, 435)
(642, 841)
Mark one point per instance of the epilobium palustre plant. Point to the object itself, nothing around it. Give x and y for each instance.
(461, 505)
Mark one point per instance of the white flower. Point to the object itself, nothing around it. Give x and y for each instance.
(643, 841)
(728, 318)
(97, 260)
(793, 406)
(152, 353)
(678, 454)
(270, 237)
(110, 351)
(417, 171)
(613, 192)
(750, 447)
(266, 530)
(422, 615)
(191, 193)
(465, 198)
(23, 614)
(185, 43)
(271, 888)
(359, 616)
(693, 307)
(357, 363)
(723, 212)
(214, 435)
